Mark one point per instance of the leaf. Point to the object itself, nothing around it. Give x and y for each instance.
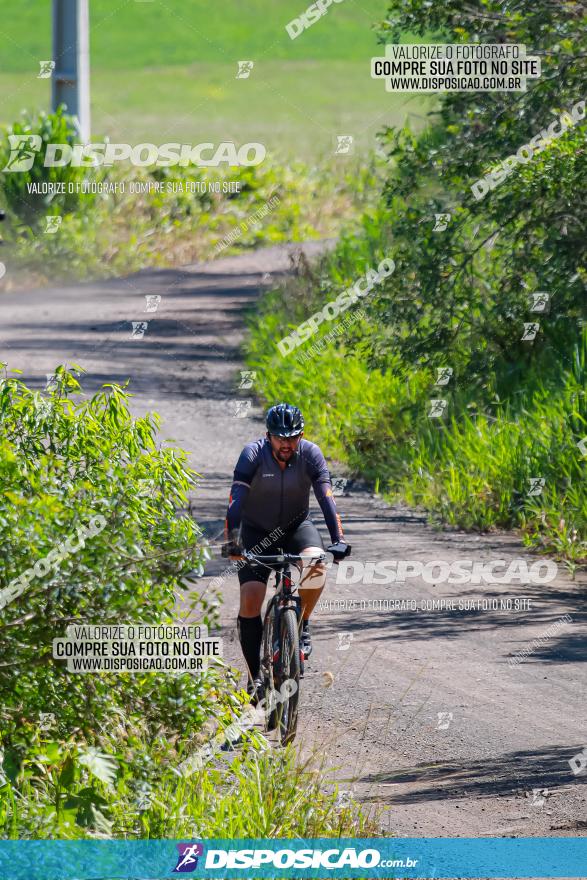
(67, 775)
(10, 764)
(102, 766)
(87, 804)
(50, 755)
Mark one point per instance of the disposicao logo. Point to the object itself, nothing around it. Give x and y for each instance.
(331, 859)
(24, 148)
(187, 860)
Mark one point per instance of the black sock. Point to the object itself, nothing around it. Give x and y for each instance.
(250, 633)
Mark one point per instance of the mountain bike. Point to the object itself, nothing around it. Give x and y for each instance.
(282, 660)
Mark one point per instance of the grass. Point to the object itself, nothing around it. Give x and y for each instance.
(169, 229)
(179, 82)
(132, 788)
(472, 470)
(296, 108)
(130, 36)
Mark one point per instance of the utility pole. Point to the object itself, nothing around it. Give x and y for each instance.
(71, 54)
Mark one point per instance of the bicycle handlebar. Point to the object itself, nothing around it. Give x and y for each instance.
(281, 558)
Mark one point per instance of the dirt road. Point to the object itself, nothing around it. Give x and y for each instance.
(421, 712)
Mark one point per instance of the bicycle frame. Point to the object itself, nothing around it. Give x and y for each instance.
(285, 595)
(282, 659)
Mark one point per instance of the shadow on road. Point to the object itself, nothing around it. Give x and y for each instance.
(511, 773)
(565, 645)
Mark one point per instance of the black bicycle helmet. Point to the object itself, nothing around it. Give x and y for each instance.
(284, 420)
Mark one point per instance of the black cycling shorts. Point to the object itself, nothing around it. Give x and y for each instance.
(294, 541)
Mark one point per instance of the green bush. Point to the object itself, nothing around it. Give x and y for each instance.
(63, 462)
(28, 208)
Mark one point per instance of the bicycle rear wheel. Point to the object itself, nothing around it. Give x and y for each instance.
(287, 709)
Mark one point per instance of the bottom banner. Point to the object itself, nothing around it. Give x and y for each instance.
(537, 857)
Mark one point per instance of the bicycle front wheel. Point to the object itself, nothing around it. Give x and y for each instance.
(267, 666)
(290, 674)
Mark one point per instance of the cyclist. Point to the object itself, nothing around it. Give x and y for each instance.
(269, 504)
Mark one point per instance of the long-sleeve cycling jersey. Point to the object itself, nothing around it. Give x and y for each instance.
(266, 497)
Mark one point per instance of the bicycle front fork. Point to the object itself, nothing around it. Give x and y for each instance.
(296, 603)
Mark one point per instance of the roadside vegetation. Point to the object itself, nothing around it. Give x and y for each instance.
(99, 754)
(460, 299)
(117, 232)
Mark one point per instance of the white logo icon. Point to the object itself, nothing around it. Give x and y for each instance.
(344, 799)
(152, 302)
(247, 378)
(441, 222)
(338, 485)
(539, 796)
(536, 485)
(437, 408)
(344, 641)
(47, 68)
(2, 270)
(144, 487)
(540, 302)
(344, 144)
(444, 719)
(530, 331)
(240, 408)
(22, 151)
(444, 375)
(139, 328)
(46, 720)
(578, 763)
(52, 224)
(244, 69)
(144, 797)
